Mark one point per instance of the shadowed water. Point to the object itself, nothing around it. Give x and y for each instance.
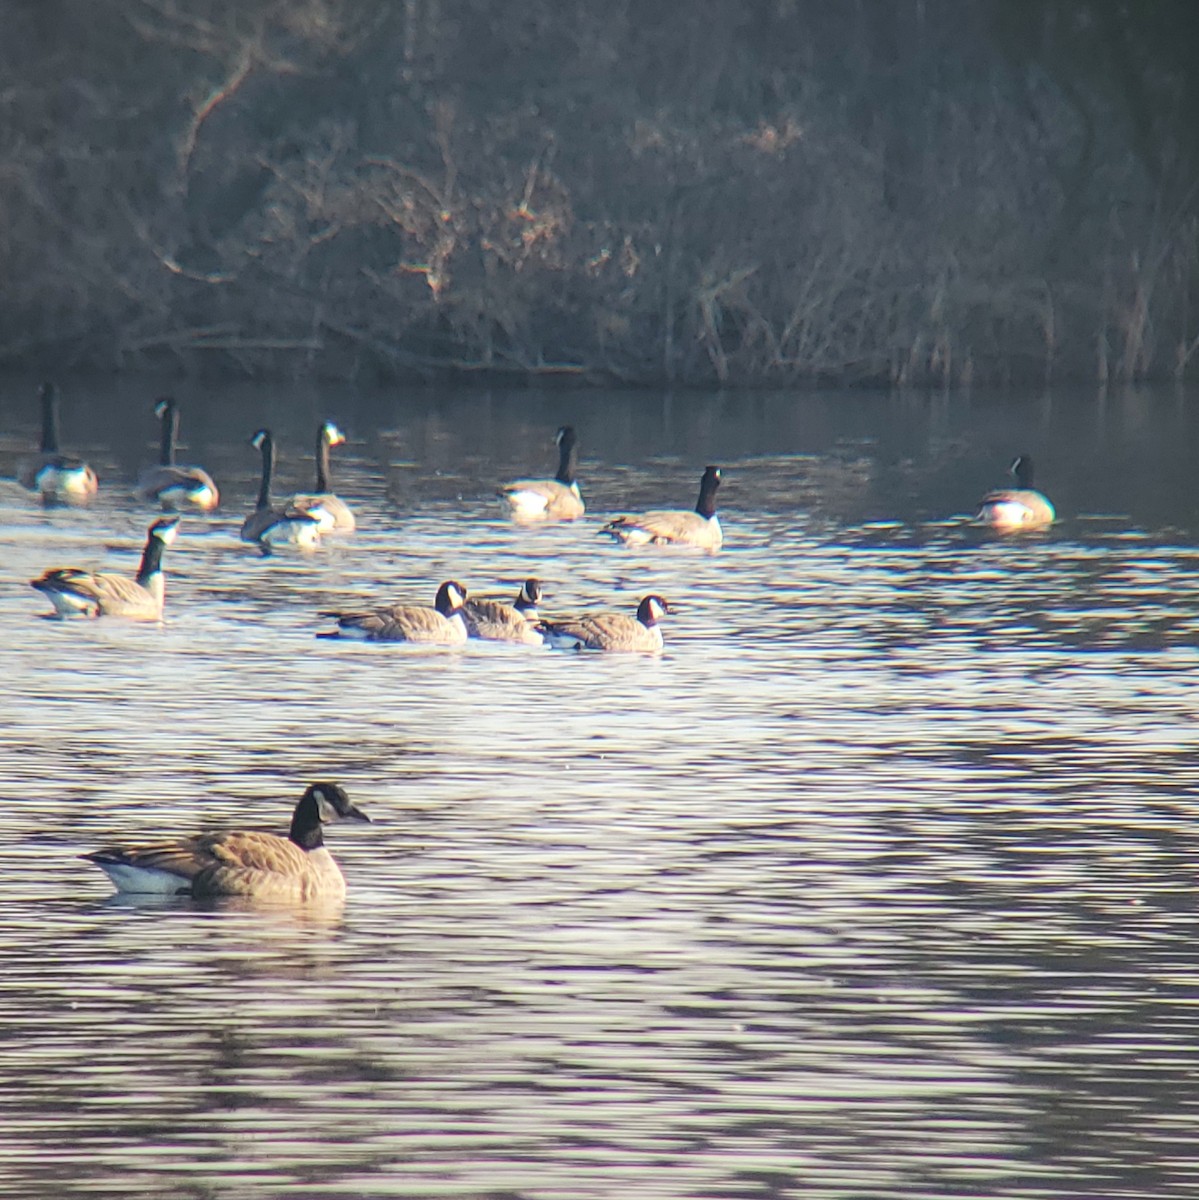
(878, 883)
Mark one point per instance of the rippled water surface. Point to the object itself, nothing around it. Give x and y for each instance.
(878, 883)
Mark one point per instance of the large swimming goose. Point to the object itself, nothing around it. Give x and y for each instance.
(76, 592)
(495, 621)
(675, 527)
(549, 499)
(262, 866)
(271, 526)
(441, 625)
(611, 631)
(59, 478)
(169, 483)
(1018, 509)
(331, 512)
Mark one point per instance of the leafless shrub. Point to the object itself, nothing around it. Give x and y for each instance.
(448, 185)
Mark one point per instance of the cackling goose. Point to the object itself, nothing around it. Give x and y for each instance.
(494, 621)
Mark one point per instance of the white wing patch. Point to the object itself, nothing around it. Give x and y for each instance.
(528, 503)
(144, 880)
(1007, 514)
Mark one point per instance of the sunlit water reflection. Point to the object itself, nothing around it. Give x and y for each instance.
(879, 883)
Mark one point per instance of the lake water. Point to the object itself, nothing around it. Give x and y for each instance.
(879, 883)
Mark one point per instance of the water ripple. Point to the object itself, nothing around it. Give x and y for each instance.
(878, 883)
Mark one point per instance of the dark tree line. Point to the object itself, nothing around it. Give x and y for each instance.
(744, 191)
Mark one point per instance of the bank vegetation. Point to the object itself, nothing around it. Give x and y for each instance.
(690, 192)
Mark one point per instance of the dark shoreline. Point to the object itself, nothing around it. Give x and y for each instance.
(787, 195)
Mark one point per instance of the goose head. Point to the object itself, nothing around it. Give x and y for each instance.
(651, 610)
(451, 596)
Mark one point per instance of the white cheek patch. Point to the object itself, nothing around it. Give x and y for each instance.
(324, 809)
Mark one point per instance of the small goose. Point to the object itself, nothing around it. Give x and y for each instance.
(168, 483)
(441, 625)
(494, 621)
(611, 631)
(549, 499)
(59, 478)
(1022, 508)
(330, 511)
(248, 863)
(675, 527)
(76, 592)
(269, 526)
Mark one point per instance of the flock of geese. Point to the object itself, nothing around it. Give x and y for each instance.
(302, 520)
(298, 867)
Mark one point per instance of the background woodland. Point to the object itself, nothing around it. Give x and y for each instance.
(700, 192)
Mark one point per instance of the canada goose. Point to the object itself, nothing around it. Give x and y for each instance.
(675, 527)
(244, 863)
(59, 478)
(495, 621)
(168, 483)
(441, 625)
(330, 511)
(269, 526)
(549, 499)
(76, 592)
(611, 631)
(1011, 510)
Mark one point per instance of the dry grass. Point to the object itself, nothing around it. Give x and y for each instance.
(340, 194)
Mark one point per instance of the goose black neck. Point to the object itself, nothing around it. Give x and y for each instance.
(322, 462)
(49, 418)
(268, 470)
(170, 433)
(1022, 470)
(306, 824)
(151, 560)
(568, 462)
(706, 505)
